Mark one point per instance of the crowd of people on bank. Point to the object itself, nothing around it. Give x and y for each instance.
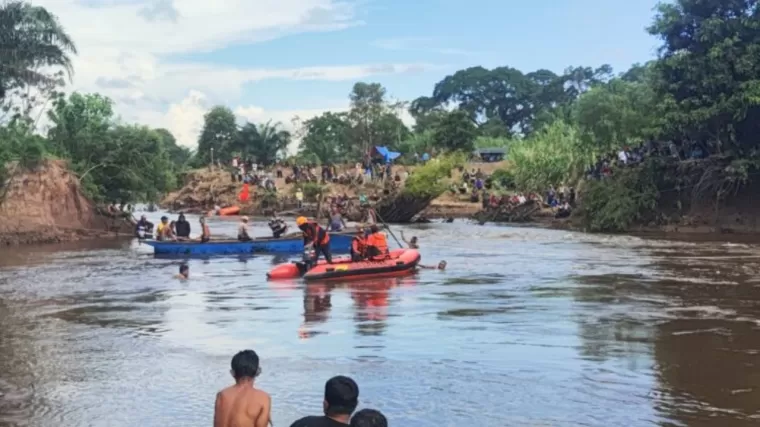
(242, 404)
(628, 157)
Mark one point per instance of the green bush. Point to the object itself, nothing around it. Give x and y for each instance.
(311, 191)
(616, 203)
(432, 179)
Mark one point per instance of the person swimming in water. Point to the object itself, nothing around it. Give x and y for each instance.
(413, 244)
(184, 272)
(441, 266)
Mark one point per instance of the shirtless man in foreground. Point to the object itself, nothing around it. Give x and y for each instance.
(242, 405)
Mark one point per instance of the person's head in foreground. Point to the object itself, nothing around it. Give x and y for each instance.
(202, 220)
(245, 366)
(341, 398)
(414, 240)
(164, 219)
(374, 228)
(442, 265)
(369, 418)
(360, 230)
(244, 219)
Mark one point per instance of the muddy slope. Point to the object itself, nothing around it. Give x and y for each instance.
(46, 205)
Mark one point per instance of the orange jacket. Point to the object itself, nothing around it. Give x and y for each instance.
(315, 234)
(378, 241)
(359, 244)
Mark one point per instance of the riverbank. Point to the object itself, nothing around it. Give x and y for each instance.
(45, 204)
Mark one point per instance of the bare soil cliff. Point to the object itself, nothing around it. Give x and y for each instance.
(46, 205)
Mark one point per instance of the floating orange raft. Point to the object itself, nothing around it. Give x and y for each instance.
(399, 263)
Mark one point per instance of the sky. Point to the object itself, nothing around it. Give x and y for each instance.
(167, 62)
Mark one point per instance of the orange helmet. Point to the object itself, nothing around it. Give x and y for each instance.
(301, 220)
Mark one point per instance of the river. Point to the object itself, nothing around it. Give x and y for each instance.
(526, 327)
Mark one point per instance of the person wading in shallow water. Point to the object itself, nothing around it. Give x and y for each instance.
(341, 399)
(242, 404)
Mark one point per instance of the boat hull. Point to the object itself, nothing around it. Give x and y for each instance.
(402, 262)
(339, 243)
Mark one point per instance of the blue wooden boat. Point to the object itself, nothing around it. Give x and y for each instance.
(339, 243)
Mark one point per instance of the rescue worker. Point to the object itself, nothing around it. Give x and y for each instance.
(315, 236)
(377, 244)
(358, 245)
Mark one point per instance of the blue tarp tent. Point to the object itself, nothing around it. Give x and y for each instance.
(387, 155)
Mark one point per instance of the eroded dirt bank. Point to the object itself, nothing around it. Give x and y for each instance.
(46, 205)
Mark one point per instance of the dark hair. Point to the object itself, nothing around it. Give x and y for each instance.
(341, 395)
(183, 268)
(245, 364)
(374, 228)
(369, 418)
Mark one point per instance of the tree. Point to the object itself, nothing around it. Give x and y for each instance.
(178, 155)
(219, 134)
(456, 132)
(80, 123)
(327, 138)
(368, 106)
(709, 71)
(617, 114)
(115, 163)
(265, 142)
(32, 42)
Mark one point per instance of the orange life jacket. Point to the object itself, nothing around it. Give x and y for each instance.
(378, 241)
(315, 234)
(358, 245)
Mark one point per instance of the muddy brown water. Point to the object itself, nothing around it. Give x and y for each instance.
(527, 327)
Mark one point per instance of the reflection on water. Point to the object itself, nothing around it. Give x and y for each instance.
(526, 327)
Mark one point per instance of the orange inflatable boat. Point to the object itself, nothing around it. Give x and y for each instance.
(400, 263)
(231, 210)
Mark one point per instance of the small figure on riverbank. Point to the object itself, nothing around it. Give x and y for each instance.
(243, 404)
(184, 272)
(411, 243)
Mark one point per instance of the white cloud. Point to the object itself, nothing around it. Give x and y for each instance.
(126, 47)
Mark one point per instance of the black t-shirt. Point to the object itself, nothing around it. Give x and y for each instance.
(317, 422)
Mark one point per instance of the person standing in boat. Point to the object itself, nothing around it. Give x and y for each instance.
(316, 236)
(278, 226)
(183, 227)
(205, 232)
(377, 244)
(243, 235)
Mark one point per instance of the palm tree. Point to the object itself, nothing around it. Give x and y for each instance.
(273, 141)
(262, 142)
(31, 39)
